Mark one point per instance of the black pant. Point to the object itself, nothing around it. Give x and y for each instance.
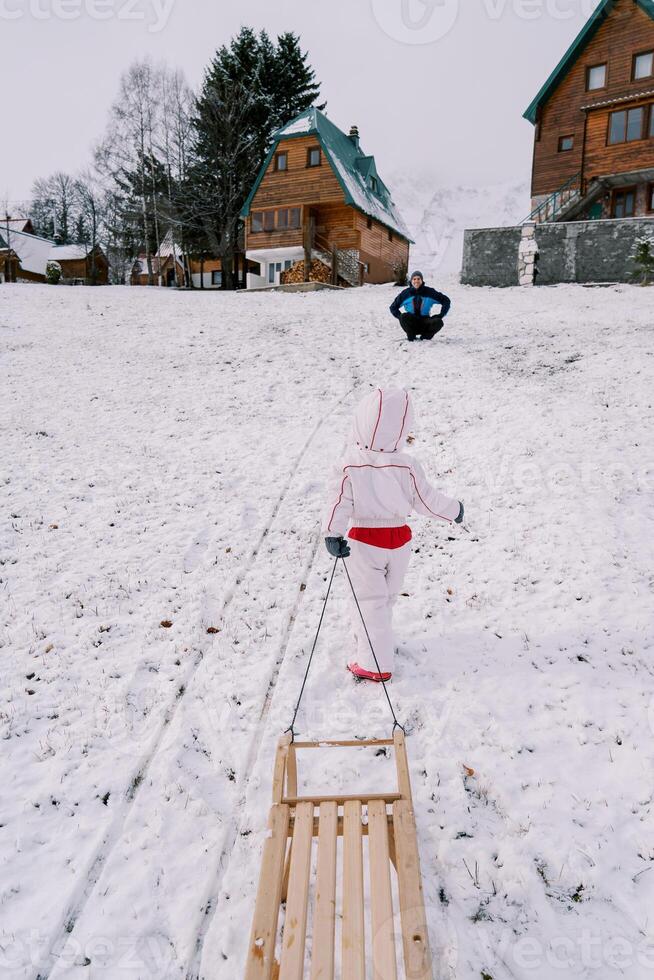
(420, 326)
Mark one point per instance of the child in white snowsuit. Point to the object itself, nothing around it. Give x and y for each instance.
(378, 486)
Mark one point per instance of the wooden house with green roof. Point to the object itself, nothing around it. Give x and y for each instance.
(594, 121)
(319, 210)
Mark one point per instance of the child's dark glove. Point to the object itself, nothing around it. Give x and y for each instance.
(337, 547)
(459, 519)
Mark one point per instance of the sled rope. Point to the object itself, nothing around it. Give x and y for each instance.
(291, 729)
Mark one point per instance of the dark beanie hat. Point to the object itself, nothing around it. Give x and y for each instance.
(416, 273)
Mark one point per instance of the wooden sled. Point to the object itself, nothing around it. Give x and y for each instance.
(286, 877)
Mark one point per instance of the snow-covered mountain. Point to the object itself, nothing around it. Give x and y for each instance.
(438, 216)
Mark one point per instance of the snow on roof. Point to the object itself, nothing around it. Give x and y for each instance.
(16, 224)
(32, 251)
(64, 253)
(352, 167)
(303, 124)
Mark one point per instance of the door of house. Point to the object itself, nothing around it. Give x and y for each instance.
(624, 202)
(275, 271)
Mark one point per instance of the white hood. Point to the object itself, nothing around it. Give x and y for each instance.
(383, 420)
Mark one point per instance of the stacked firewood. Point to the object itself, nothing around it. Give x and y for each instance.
(319, 272)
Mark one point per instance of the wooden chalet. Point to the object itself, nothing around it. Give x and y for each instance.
(320, 211)
(594, 121)
(24, 257)
(170, 267)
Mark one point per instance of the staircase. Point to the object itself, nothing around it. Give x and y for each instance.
(344, 262)
(557, 206)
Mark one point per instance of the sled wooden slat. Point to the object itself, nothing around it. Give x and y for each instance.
(341, 799)
(261, 956)
(384, 964)
(353, 952)
(348, 743)
(324, 917)
(295, 925)
(415, 940)
(286, 870)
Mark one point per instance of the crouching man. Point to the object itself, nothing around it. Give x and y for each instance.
(413, 308)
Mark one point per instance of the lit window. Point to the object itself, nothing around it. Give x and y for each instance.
(566, 143)
(595, 77)
(313, 156)
(643, 65)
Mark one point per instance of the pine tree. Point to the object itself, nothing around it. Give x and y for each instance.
(295, 87)
(251, 88)
(643, 259)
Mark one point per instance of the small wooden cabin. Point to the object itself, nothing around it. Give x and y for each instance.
(319, 210)
(25, 258)
(80, 264)
(594, 120)
(172, 268)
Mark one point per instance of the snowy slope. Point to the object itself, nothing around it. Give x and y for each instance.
(163, 462)
(437, 227)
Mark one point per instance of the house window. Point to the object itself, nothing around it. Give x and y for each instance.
(650, 197)
(313, 156)
(293, 217)
(373, 184)
(268, 220)
(390, 235)
(626, 126)
(369, 223)
(256, 222)
(282, 219)
(624, 202)
(651, 120)
(287, 264)
(595, 77)
(281, 161)
(566, 143)
(216, 277)
(643, 66)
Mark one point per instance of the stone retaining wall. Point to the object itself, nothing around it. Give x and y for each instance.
(570, 251)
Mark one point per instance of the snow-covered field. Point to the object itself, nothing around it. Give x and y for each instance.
(164, 459)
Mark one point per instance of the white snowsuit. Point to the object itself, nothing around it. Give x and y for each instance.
(379, 486)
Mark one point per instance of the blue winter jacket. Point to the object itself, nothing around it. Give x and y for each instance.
(419, 301)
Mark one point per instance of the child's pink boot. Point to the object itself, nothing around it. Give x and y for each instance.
(367, 675)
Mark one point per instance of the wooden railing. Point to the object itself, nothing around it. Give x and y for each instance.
(552, 206)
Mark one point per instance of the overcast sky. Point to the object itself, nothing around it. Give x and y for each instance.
(435, 86)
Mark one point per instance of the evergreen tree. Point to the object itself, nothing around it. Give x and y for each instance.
(251, 88)
(295, 87)
(643, 259)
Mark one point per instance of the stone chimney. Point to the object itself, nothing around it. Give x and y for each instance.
(354, 136)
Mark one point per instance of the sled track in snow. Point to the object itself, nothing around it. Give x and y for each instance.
(90, 878)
